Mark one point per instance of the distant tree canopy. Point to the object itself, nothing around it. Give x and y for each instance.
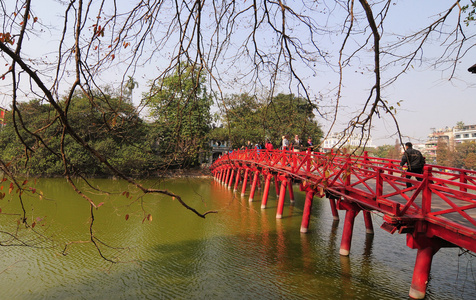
(109, 124)
(180, 106)
(250, 118)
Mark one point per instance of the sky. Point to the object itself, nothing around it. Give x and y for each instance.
(427, 98)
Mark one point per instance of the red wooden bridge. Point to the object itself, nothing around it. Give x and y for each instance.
(438, 211)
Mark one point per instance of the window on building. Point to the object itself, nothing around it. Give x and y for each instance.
(466, 135)
(458, 136)
(474, 134)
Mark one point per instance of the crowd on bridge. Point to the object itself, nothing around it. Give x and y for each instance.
(295, 145)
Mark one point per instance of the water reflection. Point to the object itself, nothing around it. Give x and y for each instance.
(242, 252)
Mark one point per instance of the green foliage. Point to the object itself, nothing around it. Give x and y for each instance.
(249, 118)
(471, 10)
(108, 124)
(383, 151)
(464, 155)
(180, 105)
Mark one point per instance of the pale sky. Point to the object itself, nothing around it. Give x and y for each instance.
(428, 99)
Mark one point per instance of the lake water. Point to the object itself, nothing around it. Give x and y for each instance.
(242, 252)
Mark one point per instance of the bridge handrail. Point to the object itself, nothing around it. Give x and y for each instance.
(457, 187)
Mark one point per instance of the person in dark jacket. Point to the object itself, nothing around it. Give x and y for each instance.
(414, 160)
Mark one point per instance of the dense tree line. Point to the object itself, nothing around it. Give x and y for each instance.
(462, 156)
(250, 118)
(111, 125)
(177, 136)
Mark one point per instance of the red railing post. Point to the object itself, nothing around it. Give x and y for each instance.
(348, 170)
(462, 179)
(379, 183)
(426, 191)
(308, 162)
(294, 166)
(366, 161)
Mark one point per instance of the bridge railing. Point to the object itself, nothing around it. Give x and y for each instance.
(376, 182)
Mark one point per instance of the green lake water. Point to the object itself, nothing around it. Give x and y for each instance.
(242, 252)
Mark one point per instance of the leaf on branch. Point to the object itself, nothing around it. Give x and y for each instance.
(148, 218)
(99, 205)
(33, 225)
(127, 217)
(24, 182)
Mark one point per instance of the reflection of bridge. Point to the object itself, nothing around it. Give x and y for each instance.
(439, 211)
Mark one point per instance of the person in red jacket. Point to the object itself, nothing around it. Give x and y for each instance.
(268, 145)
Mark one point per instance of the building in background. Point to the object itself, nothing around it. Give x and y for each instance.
(341, 140)
(443, 135)
(464, 133)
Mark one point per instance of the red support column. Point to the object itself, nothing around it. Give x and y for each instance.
(332, 202)
(282, 195)
(369, 227)
(222, 174)
(245, 181)
(350, 215)
(267, 183)
(291, 192)
(253, 186)
(427, 247)
(238, 174)
(276, 185)
(306, 215)
(421, 273)
(230, 182)
(227, 177)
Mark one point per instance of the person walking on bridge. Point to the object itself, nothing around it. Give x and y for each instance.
(414, 160)
(285, 143)
(296, 143)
